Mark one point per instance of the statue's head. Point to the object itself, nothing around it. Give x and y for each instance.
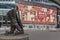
(15, 7)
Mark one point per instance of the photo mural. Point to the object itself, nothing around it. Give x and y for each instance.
(37, 14)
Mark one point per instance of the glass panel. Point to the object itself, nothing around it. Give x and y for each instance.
(5, 12)
(58, 12)
(3, 0)
(4, 17)
(0, 18)
(37, 0)
(6, 0)
(7, 6)
(0, 12)
(59, 18)
(0, 0)
(30, 26)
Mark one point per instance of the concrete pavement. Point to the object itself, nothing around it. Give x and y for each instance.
(41, 34)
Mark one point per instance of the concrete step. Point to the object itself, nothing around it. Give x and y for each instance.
(15, 37)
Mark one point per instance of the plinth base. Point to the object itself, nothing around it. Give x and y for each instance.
(16, 37)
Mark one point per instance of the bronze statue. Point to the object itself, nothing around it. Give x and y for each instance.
(15, 22)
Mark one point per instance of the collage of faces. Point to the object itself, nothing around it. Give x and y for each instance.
(37, 14)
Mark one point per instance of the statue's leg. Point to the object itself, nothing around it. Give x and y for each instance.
(12, 28)
(19, 29)
(22, 30)
(21, 26)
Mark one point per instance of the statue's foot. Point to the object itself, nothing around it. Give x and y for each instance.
(22, 31)
(17, 33)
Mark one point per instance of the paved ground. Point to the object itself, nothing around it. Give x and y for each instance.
(43, 35)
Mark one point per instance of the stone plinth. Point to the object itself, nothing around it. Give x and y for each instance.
(15, 37)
